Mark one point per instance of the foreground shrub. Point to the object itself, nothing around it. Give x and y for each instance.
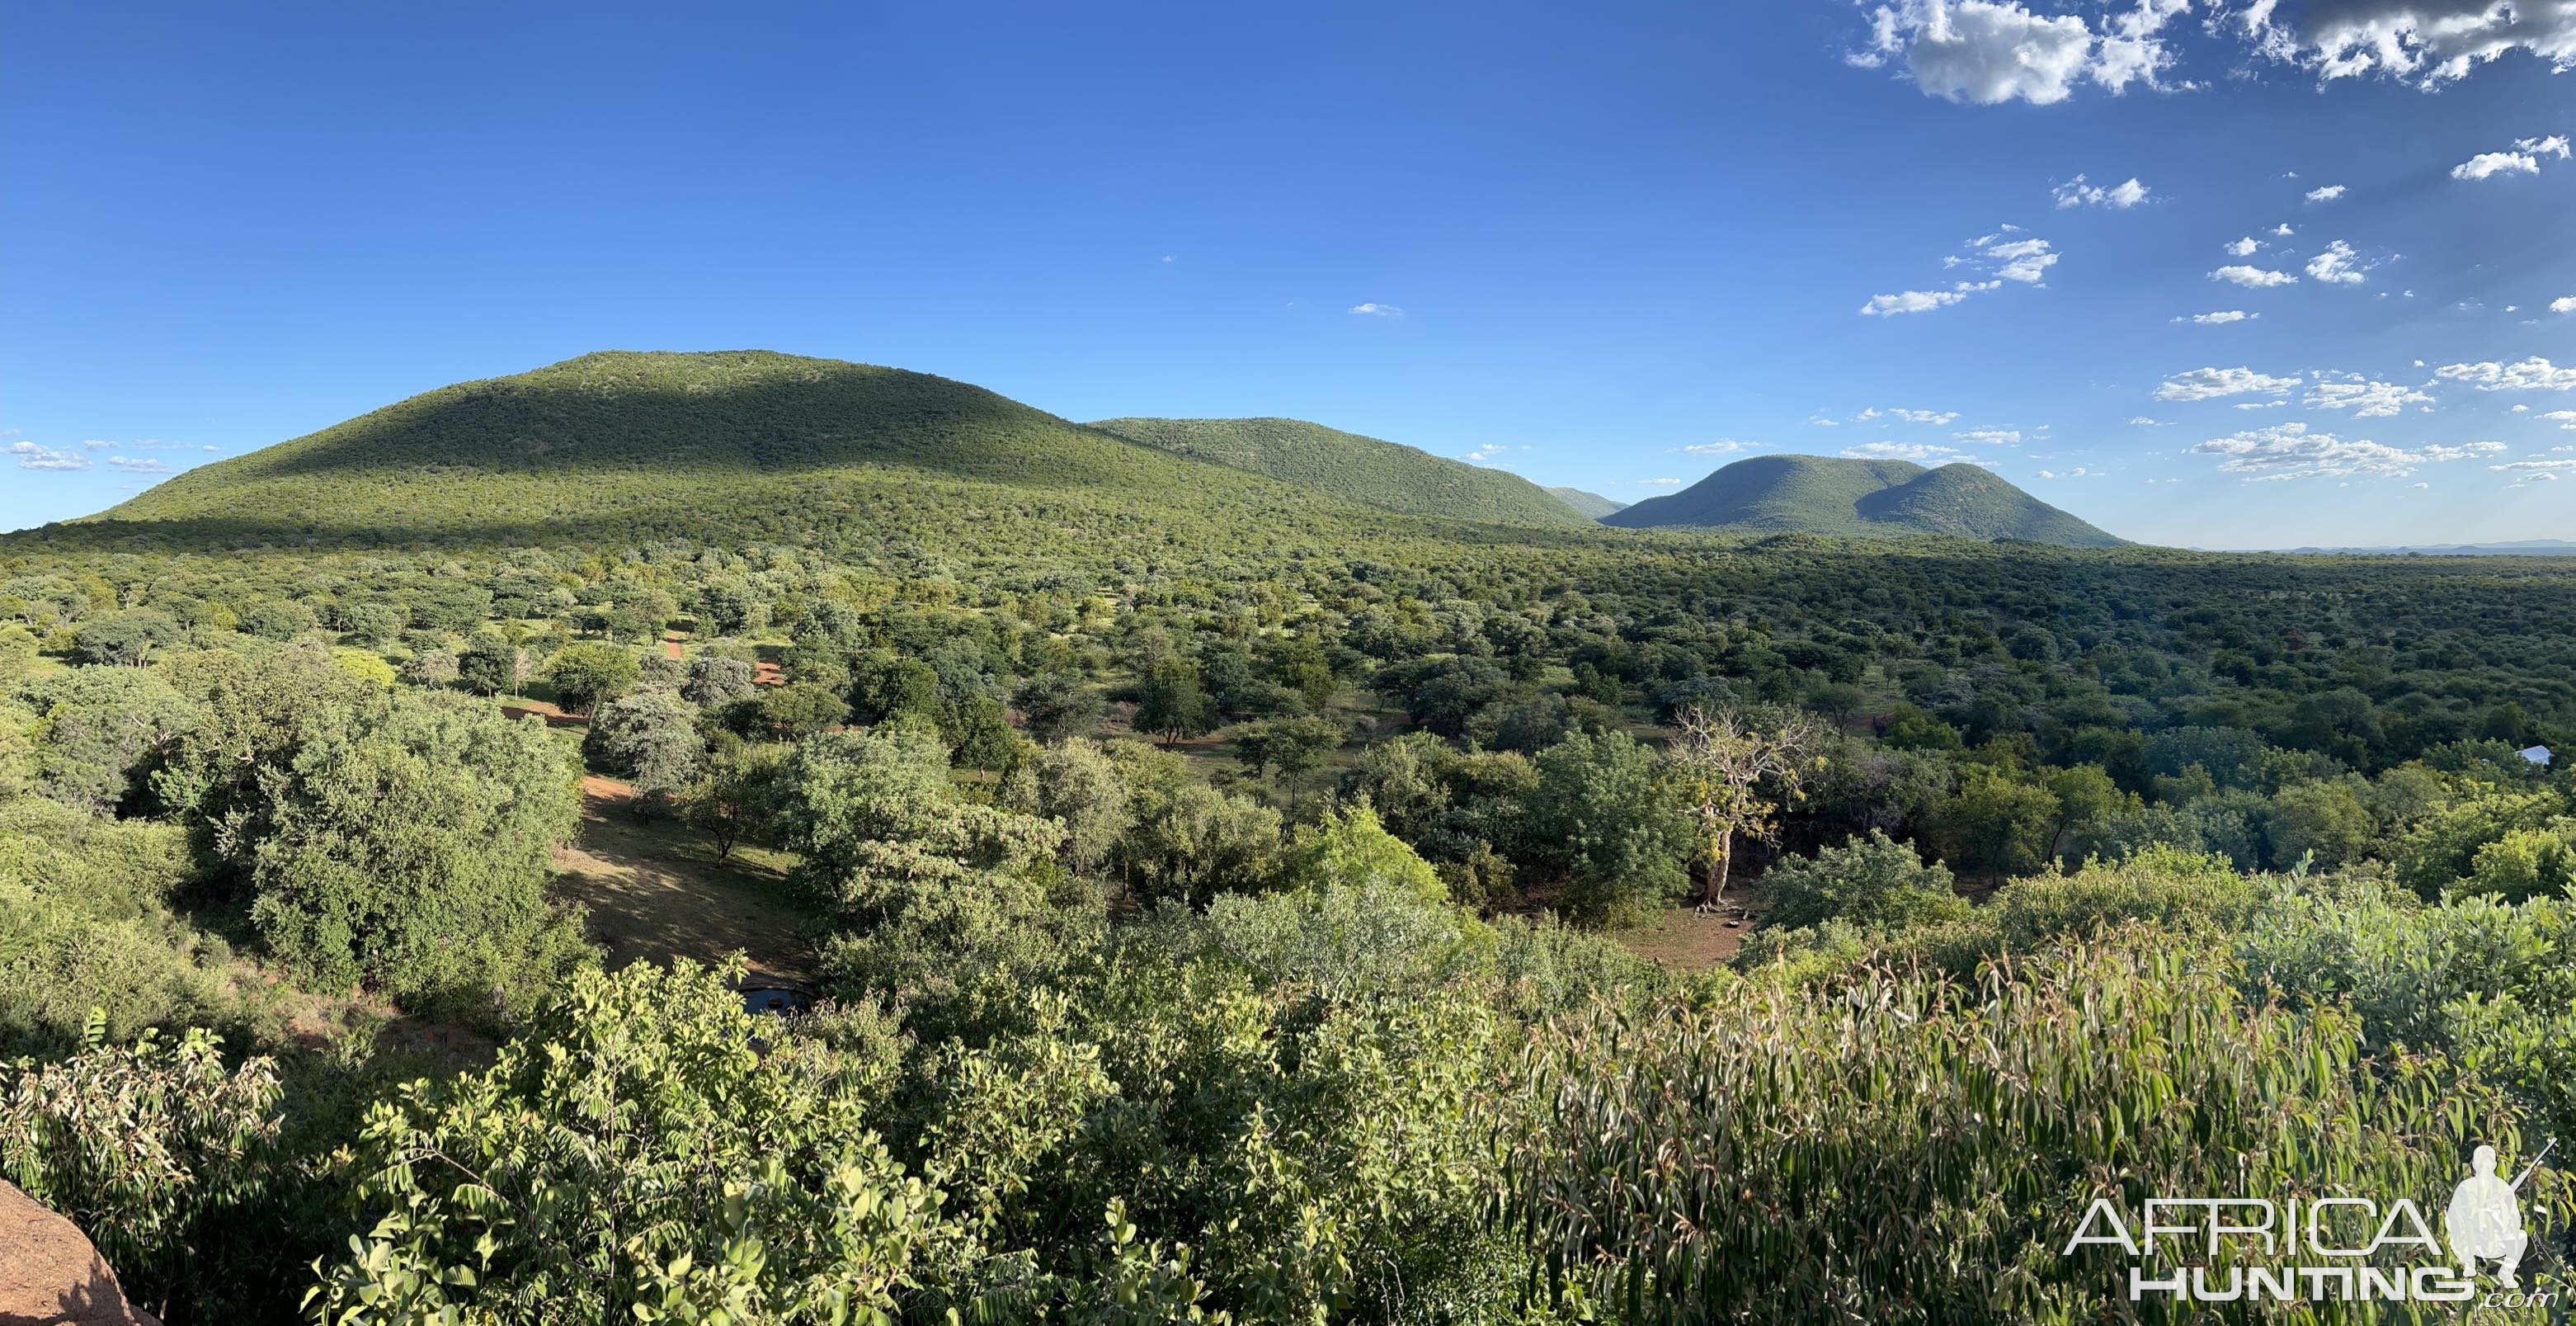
(637, 1156)
(1915, 1150)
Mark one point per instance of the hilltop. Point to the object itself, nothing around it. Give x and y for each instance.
(735, 445)
(1348, 465)
(1591, 506)
(1860, 499)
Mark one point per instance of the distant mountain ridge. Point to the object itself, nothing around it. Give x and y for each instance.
(1349, 465)
(1592, 506)
(2508, 548)
(1787, 494)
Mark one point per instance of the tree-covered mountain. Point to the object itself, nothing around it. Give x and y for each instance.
(1363, 469)
(1591, 506)
(1861, 499)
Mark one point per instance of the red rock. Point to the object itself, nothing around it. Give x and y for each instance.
(50, 1274)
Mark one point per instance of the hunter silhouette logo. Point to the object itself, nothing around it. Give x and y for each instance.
(2484, 1219)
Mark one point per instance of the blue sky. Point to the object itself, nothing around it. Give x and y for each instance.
(1609, 245)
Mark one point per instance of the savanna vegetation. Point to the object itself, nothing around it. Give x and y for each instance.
(1216, 889)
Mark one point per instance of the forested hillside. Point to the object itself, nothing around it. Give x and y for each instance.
(1362, 469)
(1592, 506)
(1219, 900)
(1860, 499)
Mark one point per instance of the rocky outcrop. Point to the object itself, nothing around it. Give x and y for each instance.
(50, 1274)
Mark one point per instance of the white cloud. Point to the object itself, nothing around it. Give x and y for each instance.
(1988, 53)
(1917, 451)
(2252, 278)
(2292, 451)
(2024, 261)
(1935, 417)
(2222, 316)
(2429, 41)
(1488, 451)
(2563, 304)
(1724, 446)
(33, 457)
(2118, 197)
(2533, 374)
(2534, 465)
(2000, 437)
(2467, 452)
(2203, 384)
(2486, 164)
(2079, 472)
(2365, 397)
(1378, 310)
(2142, 421)
(2563, 418)
(2243, 248)
(1821, 421)
(1656, 483)
(2338, 265)
(1912, 301)
(2326, 194)
(132, 465)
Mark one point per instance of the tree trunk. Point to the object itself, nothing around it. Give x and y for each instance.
(1718, 866)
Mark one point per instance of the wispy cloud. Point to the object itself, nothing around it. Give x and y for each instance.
(2367, 398)
(34, 457)
(2327, 194)
(2338, 265)
(2525, 159)
(137, 465)
(2533, 374)
(1377, 310)
(2204, 384)
(2118, 197)
(2225, 315)
(1995, 437)
(1997, 259)
(1724, 446)
(2253, 278)
(2294, 451)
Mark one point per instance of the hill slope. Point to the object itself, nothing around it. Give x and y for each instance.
(1362, 469)
(1591, 506)
(737, 445)
(1861, 499)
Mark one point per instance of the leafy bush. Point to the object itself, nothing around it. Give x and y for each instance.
(635, 1157)
(408, 850)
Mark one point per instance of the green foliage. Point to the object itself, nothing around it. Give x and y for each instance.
(1921, 1151)
(1361, 469)
(1171, 703)
(1875, 884)
(733, 795)
(634, 1157)
(155, 1149)
(649, 738)
(407, 849)
(99, 731)
(952, 906)
(589, 675)
(1288, 747)
(1601, 816)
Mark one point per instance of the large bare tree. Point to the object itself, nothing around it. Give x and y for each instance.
(1735, 776)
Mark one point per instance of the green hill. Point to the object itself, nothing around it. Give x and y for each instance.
(1860, 499)
(1591, 506)
(1363, 469)
(735, 445)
